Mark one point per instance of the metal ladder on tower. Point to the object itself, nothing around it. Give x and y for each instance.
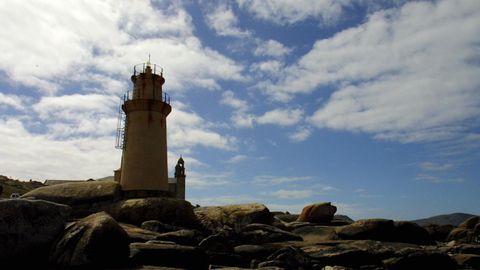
(121, 141)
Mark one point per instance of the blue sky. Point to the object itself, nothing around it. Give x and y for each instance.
(372, 105)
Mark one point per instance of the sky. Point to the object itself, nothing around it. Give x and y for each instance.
(371, 105)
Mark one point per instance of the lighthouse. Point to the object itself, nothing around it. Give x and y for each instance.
(142, 133)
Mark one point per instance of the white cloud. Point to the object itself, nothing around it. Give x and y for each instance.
(291, 194)
(243, 120)
(224, 22)
(437, 180)
(322, 188)
(430, 166)
(200, 180)
(271, 67)
(229, 99)
(281, 117)
(224, 200)
(13, 101)
(187, 129)
(275, 180)
(401, 75)
(240, 117)
(301, 134)
(237, 158)
(27, 155)
(289, 12)
(68, 106)
(271, 48)
(72, 115)
(127, 34)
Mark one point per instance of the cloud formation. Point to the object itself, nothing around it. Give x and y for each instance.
(224, 21)
(389, 77)
(289, 12)
(126, 34)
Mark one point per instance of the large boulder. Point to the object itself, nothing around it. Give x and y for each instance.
(214, 218)
(467, 232)
(97, 240)
(28, 229)
(470, 223)
(410, 232)
(172, 211)
(77, 193)
(317, 213)
(374, 229)
(439, 232)
(386, 230)
(461, 235)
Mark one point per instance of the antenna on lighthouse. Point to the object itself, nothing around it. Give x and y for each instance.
(148, 63)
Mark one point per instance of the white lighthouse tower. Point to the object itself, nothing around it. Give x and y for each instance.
(143, 134)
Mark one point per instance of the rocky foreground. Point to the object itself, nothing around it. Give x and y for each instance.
(90, 225)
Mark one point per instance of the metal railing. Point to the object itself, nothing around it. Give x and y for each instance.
(129, 96)
(140, 68)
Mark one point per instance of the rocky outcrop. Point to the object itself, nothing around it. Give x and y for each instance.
(157, 226)
(255, 252)
(471, 261)
(409, 232)
(418, 259)
(257, 233)
(467, 232)
(340, 220)
(317, 213)
(182, 237)
(232, 237)
(171, 211)
(316, 232)
(28, 228)
(470, 223)
(137, 234)
(215, 218)
(171, 255)
(286, 217)
(373, 229)
(438, 232)
(77, 193)
(97, 240)
(288, 258)
(386, 230)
